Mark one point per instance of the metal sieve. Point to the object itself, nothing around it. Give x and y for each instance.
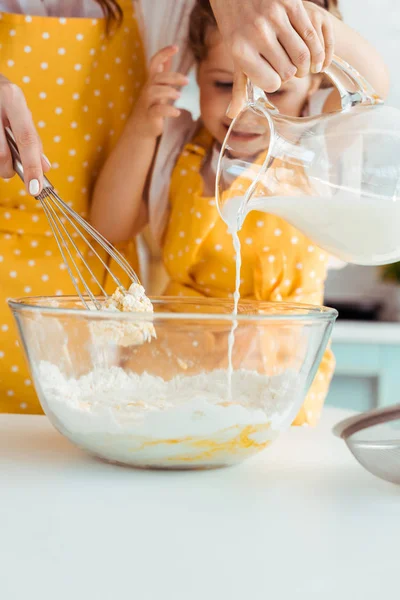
(373, 438)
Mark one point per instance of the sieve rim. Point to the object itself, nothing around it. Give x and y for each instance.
(348, 427)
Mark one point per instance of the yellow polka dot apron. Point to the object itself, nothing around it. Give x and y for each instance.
(278, 262)
(80, 85)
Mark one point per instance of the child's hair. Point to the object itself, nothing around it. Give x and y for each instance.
(112, 12)
(202, 20)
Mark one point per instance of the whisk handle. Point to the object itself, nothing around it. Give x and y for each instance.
(16, 158)
(17, 164)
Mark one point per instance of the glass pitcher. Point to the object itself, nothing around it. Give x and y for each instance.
(335, 177)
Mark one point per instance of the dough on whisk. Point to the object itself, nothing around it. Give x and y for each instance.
(132, 300)
(127, 333)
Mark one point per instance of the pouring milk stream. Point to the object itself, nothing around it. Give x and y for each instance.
(335, 177)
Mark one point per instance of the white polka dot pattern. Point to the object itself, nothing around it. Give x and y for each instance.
(54, 63)
(278, 262)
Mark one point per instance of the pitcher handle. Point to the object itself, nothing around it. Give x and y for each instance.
(341, 74)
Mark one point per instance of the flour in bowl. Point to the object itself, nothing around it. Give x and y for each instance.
(186, 422)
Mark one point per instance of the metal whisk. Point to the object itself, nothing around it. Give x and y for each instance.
(59, 215)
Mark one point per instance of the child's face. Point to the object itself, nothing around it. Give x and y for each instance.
(215, 77)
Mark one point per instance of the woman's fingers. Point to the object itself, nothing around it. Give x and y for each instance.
(295, 47)
(255, 66)
(46, 164)
(302, 24)
(6, 163)
(271, 39)
(239, 97)
(16, 112)
(329, 40)
(280, 62)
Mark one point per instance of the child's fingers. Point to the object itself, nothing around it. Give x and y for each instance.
(167, 65)
(329, 41)
(162, 93)
(174, 79)
(157, 63)
(163, 111)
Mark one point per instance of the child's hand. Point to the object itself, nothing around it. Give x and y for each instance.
(155, 101)
(322, 22)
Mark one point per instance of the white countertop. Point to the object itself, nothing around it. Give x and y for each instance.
(366, 332)
(302, 520)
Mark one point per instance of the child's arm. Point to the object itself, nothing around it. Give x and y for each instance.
(119, 207)
(342, 40)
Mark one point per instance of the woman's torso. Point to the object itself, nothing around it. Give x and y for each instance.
(80, 86)
(52, 8)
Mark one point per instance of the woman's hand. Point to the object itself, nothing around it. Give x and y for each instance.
(272, 41)
(16, 114)
(323, 23)
(160, 92)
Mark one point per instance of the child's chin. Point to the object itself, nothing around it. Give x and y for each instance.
(243, 146)
(248, 150)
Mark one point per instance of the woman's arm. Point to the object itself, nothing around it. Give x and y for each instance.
(119, 206)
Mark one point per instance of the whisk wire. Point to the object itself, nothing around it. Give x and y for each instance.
(56, 225)
(101, 240)
(61, 217)
(49, 196)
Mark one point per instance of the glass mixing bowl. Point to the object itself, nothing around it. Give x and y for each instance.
(176, 401)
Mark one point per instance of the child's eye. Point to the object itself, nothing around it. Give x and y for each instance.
(225, 85)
